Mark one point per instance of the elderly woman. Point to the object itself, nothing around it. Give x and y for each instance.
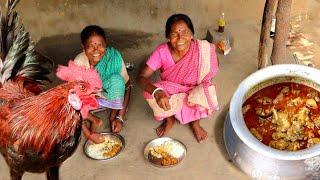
(115, 80)
(185, 92)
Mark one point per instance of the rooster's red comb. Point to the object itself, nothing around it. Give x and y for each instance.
(74, 72)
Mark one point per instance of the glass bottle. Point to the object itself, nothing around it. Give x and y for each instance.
(273, 26)
(221, 23)
(221, 38)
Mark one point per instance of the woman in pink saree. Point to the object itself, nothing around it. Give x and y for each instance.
(185, 92)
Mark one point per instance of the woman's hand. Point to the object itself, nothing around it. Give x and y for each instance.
(162, 100)
(144, 81)
(96, 138)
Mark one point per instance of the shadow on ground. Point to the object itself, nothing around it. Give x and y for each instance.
(218, 131)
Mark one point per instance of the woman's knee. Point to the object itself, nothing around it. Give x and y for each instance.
(115, 81)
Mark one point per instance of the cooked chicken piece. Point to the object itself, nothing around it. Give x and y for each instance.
(317, 122)
(293, 146)
(280, 95)
(256, 134)
(295, 92)
(264, 100)
(263, 113)
(295, 102)
(285, 90)
(312, 94)
(259, 111)
(275, 115)
(279, 144)
(295, 132)
(302, 115)
(317, 99)
(310, 134)
(278, 135)
(313, 141)
(246, 108)
(278, 98)
(309, 124)
(311, 103)
(268, 111)
(281, 119)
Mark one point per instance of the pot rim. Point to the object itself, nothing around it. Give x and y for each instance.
(237, 100)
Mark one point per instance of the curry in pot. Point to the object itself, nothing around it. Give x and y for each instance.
(285, 116)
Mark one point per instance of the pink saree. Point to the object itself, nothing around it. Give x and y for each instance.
(188, 84)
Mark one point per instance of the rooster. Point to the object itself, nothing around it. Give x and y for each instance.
(38, 130)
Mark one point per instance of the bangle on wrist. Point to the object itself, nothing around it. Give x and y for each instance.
(155, 90)
(120, 118)
(129, 86)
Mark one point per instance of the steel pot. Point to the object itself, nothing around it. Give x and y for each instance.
(249, 154)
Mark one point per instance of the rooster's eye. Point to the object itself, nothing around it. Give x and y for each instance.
(82, 87)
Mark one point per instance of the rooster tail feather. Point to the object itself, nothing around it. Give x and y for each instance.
(16, 53)
(11, 4)
(13, 26)
(36, 66)
(9, 23)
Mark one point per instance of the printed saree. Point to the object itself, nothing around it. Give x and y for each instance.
(109, 68)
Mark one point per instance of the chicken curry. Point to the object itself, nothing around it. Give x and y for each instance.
(285, 116)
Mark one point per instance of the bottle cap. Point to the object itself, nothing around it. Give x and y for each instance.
(221, 21)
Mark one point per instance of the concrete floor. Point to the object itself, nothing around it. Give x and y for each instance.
(204, 161)
(305, 42)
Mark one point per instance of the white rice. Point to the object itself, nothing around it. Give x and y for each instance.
(96, 150)
(172, 148)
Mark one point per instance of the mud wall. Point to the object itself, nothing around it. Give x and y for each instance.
(45, 18)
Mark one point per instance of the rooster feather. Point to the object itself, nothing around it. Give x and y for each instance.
(18, 57)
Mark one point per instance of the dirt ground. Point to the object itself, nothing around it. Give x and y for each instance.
(203, 161)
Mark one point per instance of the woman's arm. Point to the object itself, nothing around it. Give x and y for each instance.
(126, 100)
(145, 83)
(143, 79)
(96, 138)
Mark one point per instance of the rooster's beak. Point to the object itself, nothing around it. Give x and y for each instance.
(97, 92)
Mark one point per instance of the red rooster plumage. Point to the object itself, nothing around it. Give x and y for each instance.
(38, 131)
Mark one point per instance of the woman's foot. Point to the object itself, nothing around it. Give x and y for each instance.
(116, 125)
(198, 131)
(165, 127)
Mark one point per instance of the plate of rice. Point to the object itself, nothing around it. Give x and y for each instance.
(165, 152)
(110, 148)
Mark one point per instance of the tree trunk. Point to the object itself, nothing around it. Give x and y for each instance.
(278, 55)
(265, 32)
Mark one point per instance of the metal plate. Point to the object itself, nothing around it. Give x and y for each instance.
(111, 136)
(161, 142)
